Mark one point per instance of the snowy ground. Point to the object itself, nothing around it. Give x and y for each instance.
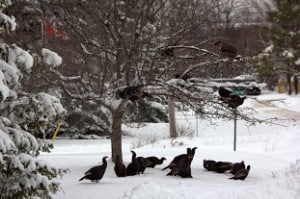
(273, 151)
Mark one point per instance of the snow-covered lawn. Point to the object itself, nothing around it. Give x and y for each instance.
(273, 151)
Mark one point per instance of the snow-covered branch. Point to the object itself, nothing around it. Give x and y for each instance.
(205, 51)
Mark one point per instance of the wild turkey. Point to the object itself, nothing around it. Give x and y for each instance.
(222, 167)
(210, 165)
(230, 99)
(166, 51)
(237, 166)
(241, 174)
(177, 159)
(186, 171)
(119, 167)
(226, 49)
(141, 164)
(182, 167)
(132, 93)
(95, 173)
(191, 154)
(235, 100)
(182, 76)
(224, 92)
(152, 161)
(133, 167)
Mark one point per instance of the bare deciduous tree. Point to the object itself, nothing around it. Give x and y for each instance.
(117, 44)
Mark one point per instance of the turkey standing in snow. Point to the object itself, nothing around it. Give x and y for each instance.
(237, 166)
(241, 174)
(210, 165)
(222, 167)
(152, 161)
(182, 167)
(177, 159)
(142, 164)
(133, 167)
(95, 173)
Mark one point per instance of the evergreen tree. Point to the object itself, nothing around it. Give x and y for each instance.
(284, 34)
(23, 114)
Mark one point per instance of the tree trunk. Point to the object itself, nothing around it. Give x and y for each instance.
(296, 84)
(289, 84)
(173, 132)
(116, 135)
(116, 138)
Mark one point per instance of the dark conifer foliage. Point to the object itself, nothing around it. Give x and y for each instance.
(284, 44)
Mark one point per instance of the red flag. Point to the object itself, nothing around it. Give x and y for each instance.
(52, 31)
(62, 34)
(50, 28)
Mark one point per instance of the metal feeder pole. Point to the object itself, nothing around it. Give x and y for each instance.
(234, 135)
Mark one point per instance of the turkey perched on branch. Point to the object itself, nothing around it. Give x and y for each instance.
(96, 173)
(182, 76)
(226, 49)
(230, 99)
(234, 101)
(166, 51)
(224, 92)
(133, 93)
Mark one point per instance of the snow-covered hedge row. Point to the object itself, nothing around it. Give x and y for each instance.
(23, 116)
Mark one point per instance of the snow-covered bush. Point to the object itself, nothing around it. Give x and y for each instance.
(51, 58)
(23, 116)
(185, 131)
(144, 140)
(22, 175)
(34, 112)
(6, 22)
